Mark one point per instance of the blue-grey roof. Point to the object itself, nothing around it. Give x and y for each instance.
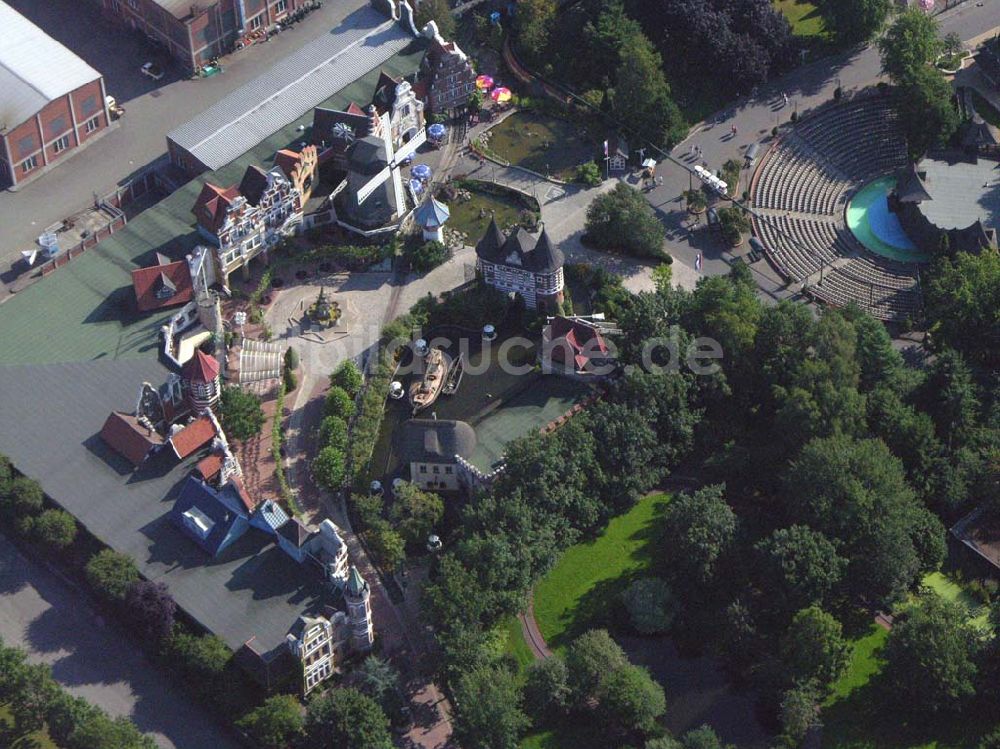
(290, 88)
(268, 516)
(432, 213)
(218, 506)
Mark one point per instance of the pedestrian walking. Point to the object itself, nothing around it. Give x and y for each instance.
(784, 97)
(734, 130)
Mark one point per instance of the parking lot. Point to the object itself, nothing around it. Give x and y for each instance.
(152, 110)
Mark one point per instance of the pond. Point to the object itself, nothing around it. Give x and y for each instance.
(542, 144)
(472, 216)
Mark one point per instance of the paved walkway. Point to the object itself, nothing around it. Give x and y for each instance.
(56, 624)
(532, 635)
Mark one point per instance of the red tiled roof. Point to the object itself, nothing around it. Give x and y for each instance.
(126, 436)
(148, 281)
(287, 160)
(194, 435)
(211, 206)
(201, 367)
(355, 109)
(582, 340)
(209, 467)
(245, 497)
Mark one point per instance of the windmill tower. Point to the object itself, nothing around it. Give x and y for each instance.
(374, 186)
(359, 611)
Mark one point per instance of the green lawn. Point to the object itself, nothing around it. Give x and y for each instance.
(515, 643)
(806, 19)
(582, 589)
(852, 716)
(543, 144)
(9, 738)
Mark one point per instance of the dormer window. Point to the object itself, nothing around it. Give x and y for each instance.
(198, 522)
(165, 288)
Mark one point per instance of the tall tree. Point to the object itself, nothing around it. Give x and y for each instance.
(535, 21)
(590, 658)
(438, 11)
(274, 724)
(799, 567)
(926, 110)
(346, 719)
(856, 21)
(642, 96)
(814, 649)
(546, 687)
(622, 220)
(698, 530)
(963, 306)
(488, 711)
(910, 43)
(241, 413)
(415, 513)
(930, 657)
(631, 702)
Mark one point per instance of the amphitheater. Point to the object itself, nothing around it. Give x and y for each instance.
(800, 193)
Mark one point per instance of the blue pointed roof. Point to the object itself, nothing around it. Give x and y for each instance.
(432, 214)
(210, 517)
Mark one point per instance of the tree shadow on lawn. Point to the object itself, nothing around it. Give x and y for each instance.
(870, 716)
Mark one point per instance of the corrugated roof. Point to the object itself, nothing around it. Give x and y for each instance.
(34, 68)
(290, 89)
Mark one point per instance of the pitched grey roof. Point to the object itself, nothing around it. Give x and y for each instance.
(520, 250)
(253, 184)
(368, 155)
(432, 213)
(434, 440)
(34, 68)
(291, 88)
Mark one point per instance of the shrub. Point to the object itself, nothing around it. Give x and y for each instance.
(426, 256)
(25, 498)
(152, 607)
(348, 377)
(202, 659)
(333, 433)
(54, 528)
(241, 413)
(291, 358)
(387, 545)
(328, 468)
(289, 379)
(111, 574)
(338, 403)
(588, 174)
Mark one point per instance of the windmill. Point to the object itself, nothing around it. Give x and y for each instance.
(344, 132)
(393, 160)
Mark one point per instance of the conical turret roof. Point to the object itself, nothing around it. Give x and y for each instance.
(356, 585)
(546, 258)
(489, 246)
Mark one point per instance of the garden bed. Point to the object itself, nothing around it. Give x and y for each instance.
(542, 143)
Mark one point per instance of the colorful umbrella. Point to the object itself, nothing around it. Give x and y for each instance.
(421, 171)
(417, 186)
(501, 94)
(436, 130)
(484, 82)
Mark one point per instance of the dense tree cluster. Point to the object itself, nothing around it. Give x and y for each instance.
(833, 468)
(622, 220)
(923, 95)
(240, 412)
(749, 39)
(36, 700)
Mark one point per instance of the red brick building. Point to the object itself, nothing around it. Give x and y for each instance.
(51, 101)
(195, 32)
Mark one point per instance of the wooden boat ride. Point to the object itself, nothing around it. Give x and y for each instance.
(429, 378)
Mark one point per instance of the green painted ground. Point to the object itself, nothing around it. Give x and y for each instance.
(543, 144)
(575, 596)
(85, 310)
(546, 400)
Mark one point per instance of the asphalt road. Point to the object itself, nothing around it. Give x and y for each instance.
(57, 625)
(152, 109)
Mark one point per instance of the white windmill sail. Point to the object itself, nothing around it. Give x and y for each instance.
(411, 147)
(374, 183)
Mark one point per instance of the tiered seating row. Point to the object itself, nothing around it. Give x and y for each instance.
(861, 139)
(792, 180)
